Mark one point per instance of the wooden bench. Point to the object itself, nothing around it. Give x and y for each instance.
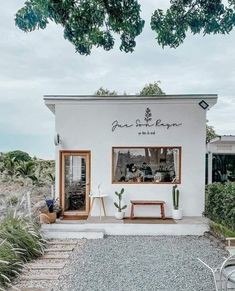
(148, 202)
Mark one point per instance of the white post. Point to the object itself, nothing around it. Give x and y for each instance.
(29, 203)
(209, 167)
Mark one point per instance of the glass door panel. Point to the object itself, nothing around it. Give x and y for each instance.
(75, 182)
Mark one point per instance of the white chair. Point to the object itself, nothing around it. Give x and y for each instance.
(224, 276)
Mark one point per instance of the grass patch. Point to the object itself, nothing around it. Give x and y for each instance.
(221, 230)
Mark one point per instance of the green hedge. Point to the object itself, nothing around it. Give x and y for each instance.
(220, 204)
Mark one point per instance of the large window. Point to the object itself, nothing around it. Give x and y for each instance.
(223, 168)
(146, 165)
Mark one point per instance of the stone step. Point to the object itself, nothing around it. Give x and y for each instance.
(61, 242)
(72, 234)
(30, 289)
(67, 249)
(40, 277)
(55, 257)
(46, 266)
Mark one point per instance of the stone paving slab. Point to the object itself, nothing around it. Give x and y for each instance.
(46, 266)
(55, 257)
(40, 277)
(61, 242)
(67, 249)
(31, 289)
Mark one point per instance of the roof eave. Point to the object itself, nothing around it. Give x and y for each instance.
(51, 100)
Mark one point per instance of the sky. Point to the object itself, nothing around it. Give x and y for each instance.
(42, 62)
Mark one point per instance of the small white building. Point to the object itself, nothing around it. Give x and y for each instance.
(142, 144)
(221, 159)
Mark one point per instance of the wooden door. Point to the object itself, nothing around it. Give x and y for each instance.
(75, 183)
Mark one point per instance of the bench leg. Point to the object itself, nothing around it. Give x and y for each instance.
(102, 200)
(132, 211)
(163, 211)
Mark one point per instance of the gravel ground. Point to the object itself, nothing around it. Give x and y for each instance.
(133, 263)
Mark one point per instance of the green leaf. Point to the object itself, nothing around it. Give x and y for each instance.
(116, 205)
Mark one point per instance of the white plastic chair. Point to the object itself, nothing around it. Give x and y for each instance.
(223, 276)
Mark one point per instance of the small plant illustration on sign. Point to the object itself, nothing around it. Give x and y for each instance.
(148, 115)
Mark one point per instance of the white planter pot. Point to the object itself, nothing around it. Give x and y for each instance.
(119, 215)
(177, 214)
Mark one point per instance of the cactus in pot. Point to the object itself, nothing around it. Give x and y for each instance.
(176, 212)
(119, 214)
(175, 196)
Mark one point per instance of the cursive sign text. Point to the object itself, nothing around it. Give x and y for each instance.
(116, 124)
(144, 125)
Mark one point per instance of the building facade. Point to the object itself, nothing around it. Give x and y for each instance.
(142, 144)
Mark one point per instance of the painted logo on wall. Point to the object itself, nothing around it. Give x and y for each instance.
(146, 126)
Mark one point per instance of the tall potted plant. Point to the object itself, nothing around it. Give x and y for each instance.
(176, 212)
(120, 213)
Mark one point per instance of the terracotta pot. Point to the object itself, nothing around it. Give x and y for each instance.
(47, 218)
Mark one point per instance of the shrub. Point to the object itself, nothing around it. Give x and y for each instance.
(19, 156)
(10, 264)
(21, 241)
(221, 230)
(220, 204)
(13, 200)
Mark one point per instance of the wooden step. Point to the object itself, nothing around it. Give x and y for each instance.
(40, 277)
(55, 257)
(46, 266)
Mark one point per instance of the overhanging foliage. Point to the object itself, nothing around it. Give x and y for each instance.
(89, 23)
(86, 23)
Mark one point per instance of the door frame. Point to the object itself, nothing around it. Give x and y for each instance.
(62, 154)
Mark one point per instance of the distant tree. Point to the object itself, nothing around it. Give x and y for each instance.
(30, 170)
(26, 169)
(9, 167)
(210, 133)
(152, 89)
(105, 92)
(19, 156)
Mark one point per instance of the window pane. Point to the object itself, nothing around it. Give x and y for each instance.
(146, 165)
(223, 168)
(75, 183)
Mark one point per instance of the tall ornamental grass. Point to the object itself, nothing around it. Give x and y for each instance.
(10, 264)
(220, 204)
(20, 242)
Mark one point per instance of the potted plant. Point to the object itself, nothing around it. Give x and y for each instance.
(119, 214)
(51, 210)
(176, 212)
(57, 209)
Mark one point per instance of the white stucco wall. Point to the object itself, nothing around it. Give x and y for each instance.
(88, 126)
